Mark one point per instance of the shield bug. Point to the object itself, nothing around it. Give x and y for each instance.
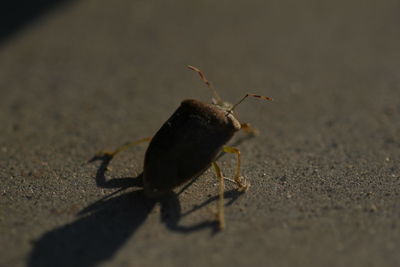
(189, 142)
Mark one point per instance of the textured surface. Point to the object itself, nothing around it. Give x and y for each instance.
(94, 74)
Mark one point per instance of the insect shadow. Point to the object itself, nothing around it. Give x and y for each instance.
(103, 227)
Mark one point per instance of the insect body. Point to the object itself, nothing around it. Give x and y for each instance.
(189, 142)
(186, 145)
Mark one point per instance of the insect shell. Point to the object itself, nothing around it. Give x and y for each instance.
(188, 142)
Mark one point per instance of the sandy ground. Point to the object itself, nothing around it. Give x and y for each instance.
(92, 75)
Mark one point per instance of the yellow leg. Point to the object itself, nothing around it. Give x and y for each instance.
(247, 128)
(240, 181)
(220, 205)
(122, 148)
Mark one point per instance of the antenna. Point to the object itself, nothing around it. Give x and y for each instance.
(253, 95)
(207, 82)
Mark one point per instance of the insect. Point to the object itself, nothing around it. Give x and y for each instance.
(189, 142)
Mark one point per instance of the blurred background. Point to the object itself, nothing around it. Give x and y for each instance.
(80, 76)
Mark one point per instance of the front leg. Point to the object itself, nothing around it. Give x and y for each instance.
(241, 182)
(247, 128)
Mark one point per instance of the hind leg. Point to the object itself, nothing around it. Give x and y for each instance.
(111, 154)
(220, 205)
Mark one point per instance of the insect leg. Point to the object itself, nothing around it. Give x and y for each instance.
(247, 128)
(122, 148)
(220, 205)
(240, 181)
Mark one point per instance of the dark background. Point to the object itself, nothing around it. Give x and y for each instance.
(80, 76)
